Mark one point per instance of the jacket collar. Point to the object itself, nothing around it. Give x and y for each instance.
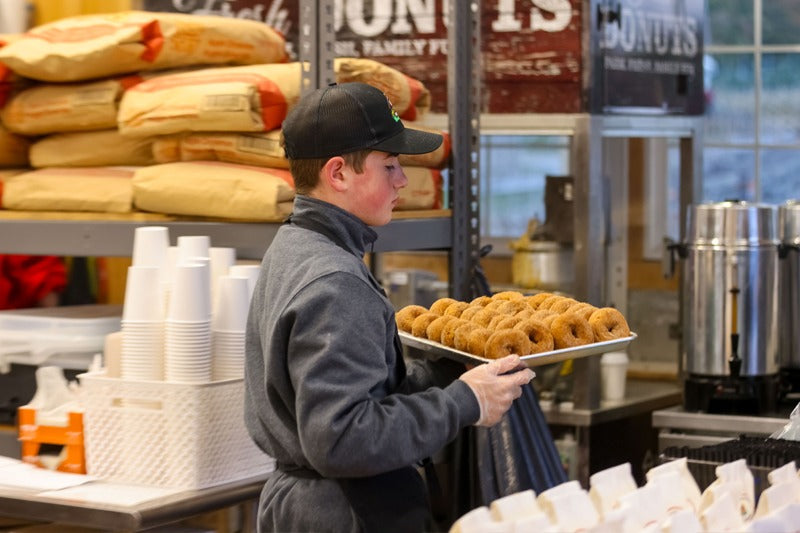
(352, 232)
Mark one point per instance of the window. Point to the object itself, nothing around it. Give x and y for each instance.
(752, 120)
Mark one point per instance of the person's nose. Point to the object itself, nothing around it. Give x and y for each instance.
(402, 180)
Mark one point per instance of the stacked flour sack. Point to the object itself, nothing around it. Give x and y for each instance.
(71, 75)
(185, 310)
(669, 502)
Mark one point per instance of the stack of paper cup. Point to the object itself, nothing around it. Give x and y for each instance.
(250, 272)
(228, 327)
(187, 348)
(142, 325)
(151, 248)
(221, 260)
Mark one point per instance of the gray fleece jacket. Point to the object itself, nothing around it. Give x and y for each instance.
(326, 386)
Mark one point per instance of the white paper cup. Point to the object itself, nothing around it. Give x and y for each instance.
(246, 271)
(193, 246)
(143, 295)
(190, 297)
(150, 245)
(232, 304)
(613, 372)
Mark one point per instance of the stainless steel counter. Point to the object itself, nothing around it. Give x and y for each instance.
(677, 427)
(640, 397)
(28, 505)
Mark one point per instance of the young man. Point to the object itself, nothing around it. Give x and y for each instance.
(328, 394)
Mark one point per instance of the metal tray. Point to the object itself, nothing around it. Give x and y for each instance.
(436, 350)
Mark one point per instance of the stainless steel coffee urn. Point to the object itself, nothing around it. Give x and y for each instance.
(789, 318)
(730, 307)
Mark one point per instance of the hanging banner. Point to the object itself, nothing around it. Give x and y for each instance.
(531, 49)
(647, 56)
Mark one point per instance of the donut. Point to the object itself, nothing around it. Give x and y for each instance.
(608, 324)
(441, 304)
(476, 341)
(508, 295)
(420, 325)
(405, 316)
(583, 309)
(461, 335)
(545, 315)
(508, 323)
(455, 309)
(570, 330)
(484, 316)
(562, 305)
(494, 305)
(512, 307)
(481, 301)
(434, 331)
(470, 311)
(538, 333)
(547, 302)
(535, 300)
(505, 342)
(525, 314)
(449, 331)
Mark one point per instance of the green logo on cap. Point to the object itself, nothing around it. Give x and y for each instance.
(395, 116)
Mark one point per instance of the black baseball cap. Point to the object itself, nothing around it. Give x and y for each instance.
(347, 117)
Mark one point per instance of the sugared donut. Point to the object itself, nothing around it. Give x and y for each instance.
(562, 305)
(609, 324)
(494, 305)
(405, 316)
(461, 335)
(538, 333)
(434, 331)
(505, 342)
(508, 322)
(476, 341)
(583, 309)
(512, 307)
(481, 301)
(420, 325)
(470, 311)
(525, 314)
(455, 309)
(545, 315)
(548, 302)
(449, 331)
(484, 316)
(441, 304)
(508, 295)
(536, 300)
(570, 330)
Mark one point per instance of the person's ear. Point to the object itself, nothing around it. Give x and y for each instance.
(333, 172)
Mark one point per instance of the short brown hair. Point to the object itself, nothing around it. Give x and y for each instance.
(306, 171)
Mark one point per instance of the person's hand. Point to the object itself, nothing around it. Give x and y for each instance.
(496, 385)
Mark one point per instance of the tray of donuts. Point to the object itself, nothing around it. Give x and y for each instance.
(544, 328)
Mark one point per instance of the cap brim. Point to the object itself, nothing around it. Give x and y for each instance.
(410, 141)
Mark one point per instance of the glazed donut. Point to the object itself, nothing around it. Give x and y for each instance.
(461, 335)
(476, 341)
(441, 304)
(570, 330)
(449, 331)
(583, 309)
(481, 301)
(434, 331)
(405, 316)
(508, 322)
(538, 333)
(455, 309)
(484, 316)
(470, 311)
(562, 305)
(420, 325)
(609, 324)
(507, 295)
(536, 300)
(505, 342)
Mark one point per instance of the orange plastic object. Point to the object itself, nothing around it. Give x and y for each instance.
(32, 436)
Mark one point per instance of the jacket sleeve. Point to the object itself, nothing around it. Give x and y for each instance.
(354, 418)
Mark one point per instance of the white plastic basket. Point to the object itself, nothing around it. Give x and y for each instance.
(168, 434)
